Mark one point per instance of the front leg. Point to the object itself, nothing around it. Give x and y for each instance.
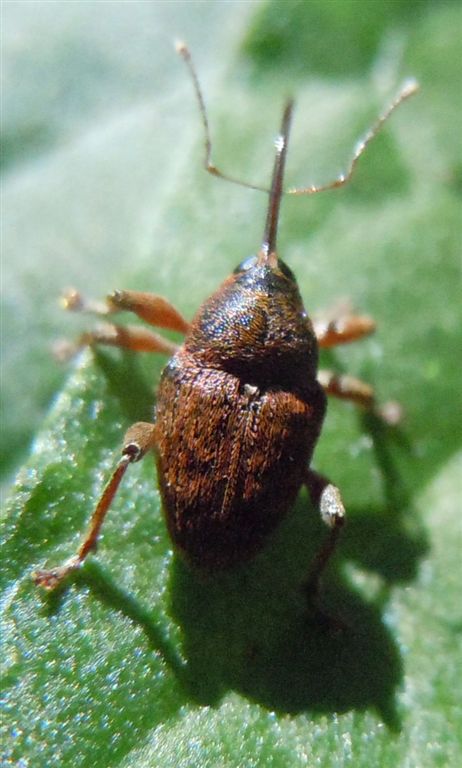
(153, 309)
(341, 326)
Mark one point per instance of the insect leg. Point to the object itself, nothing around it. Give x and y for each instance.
(154, 310)
(329, 502)
(342, 329)
(355, 390)
(139, 439)
(133, 337)
(346, 387)
(151, 308)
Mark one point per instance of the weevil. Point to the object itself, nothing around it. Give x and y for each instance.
(241, 403)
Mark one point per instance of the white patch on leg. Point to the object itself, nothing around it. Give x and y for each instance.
(331, 506)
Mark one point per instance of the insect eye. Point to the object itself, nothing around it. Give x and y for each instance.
(286, 271)
(245, 265)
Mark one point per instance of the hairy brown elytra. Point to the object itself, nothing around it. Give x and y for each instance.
(241, 402)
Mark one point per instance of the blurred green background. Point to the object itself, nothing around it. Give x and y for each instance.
(139, 662)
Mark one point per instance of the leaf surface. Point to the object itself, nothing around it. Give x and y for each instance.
(138, 661)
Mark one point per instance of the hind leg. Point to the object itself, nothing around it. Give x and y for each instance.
(139, 439)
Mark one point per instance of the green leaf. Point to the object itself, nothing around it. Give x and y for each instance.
(138, 661)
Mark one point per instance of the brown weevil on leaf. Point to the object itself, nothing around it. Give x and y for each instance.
(241, 403)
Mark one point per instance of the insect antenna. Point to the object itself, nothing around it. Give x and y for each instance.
(183, 50)
(267, 254)
(408, 89)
